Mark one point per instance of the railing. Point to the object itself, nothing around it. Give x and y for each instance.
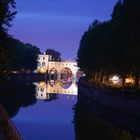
(8, 127)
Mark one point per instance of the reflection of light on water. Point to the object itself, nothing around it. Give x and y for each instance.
(65, 85)
(43, 89)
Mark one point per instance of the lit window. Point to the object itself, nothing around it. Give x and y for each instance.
(129, 80)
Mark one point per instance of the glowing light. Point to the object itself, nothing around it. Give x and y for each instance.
(42, 71)
(42, 83)
(129, 80)
(14, 71)
(115, 79)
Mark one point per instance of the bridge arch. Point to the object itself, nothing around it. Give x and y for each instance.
(57, 70)
(53, 76)
(53, 71)
(66, 77)
(66, 74)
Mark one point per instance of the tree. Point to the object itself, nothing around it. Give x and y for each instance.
(30, 57)
(7, 13)
(113, 46)
(130, 13)
(56, 56)
(24, 56)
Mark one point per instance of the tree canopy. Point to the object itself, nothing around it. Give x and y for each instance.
(113, 46)
(14, 54)
(7, 13)
(56, 56)
(24, 55)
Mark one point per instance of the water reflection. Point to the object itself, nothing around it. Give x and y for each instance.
(48, 120)
(56, 117)
(89, 126)
(50, 90)
(15, 97)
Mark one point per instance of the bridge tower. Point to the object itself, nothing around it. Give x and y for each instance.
(43, 63)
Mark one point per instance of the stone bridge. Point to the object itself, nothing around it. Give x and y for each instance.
(57, 68)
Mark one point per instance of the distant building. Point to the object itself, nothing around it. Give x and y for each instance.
(46, 64)
(43, 62)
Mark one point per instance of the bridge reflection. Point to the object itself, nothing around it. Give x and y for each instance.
(51, 89)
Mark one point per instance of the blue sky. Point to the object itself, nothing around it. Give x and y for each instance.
(58, 24)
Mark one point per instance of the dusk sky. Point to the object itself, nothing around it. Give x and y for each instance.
(58, 24)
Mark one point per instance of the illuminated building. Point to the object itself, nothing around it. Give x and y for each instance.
(46, 64)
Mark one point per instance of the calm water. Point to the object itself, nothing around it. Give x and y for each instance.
(47, 120)
(50, 111)
(51, 117)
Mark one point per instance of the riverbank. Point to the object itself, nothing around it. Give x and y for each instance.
(116, 100)
(23, 78)
(105, 124)
(8, 131)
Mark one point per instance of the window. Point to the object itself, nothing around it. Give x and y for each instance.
(43, 63)
(43, 58)
(39, 64)
(41, 89)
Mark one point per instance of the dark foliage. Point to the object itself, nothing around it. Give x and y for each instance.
(24, 56)
(56, 56)
(113, 46)
(15, 97)
(7, 13)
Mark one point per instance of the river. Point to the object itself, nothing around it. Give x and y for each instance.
(50, 111)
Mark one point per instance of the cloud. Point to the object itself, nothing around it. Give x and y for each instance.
(53, 18)
(85, 8)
